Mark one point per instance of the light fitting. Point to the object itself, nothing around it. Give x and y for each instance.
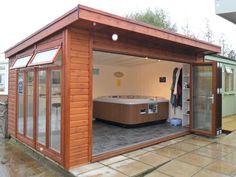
(114, 37)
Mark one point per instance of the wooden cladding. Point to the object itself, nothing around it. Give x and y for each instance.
(12, 100)
(134, 46)
(78, 104)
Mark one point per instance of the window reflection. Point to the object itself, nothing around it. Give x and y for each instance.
(20, 103)
(45, 57)
(41, 107)
(55, 110)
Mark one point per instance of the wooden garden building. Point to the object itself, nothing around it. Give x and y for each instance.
(89, 73)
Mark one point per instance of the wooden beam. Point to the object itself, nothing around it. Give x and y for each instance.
(103, 42)
(98, 16)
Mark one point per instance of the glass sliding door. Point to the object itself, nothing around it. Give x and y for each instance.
(29, 104)
(20, 106)
(55, 110)
(203, 98)
(41, 104)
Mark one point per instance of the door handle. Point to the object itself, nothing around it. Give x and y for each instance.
(211, 98)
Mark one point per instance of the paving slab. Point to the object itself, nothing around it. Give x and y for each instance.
(156, 173)
(196, 159)
(86, 168)
(222, 167)
(102, 172)
(178, 169)
(113, 160)
(15, 162)
(131, 167)
(152, 159)
(170, 152)
(207, 173)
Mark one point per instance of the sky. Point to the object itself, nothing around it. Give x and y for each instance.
(19, 19)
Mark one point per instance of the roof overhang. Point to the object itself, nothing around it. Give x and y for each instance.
(231, 16)
(226, 9)
(89, 15)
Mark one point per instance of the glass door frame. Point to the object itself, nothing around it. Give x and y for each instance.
(20, 136)
(213, 131)
(45, 149)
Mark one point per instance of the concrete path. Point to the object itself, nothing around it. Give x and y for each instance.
(14, 162)
(188, 156)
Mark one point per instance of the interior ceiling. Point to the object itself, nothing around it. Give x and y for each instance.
(104, 58)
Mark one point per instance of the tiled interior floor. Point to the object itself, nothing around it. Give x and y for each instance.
(229, 123)
(187, 156)
(107, 137)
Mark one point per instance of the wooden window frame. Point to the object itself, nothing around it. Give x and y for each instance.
(12, 67)
(17, 105)
(53, 154)
(36, 103)
(46, 148)
(5, 72)
(229, 82)
(45, 50)
(26, 93)
(20, 136)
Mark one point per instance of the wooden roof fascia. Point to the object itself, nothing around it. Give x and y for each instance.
(49, 29)
(101, 17)
(93, 15)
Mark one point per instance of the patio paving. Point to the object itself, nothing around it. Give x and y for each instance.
(190, 155)
(229, 123)
(187, 156)
(14, 162)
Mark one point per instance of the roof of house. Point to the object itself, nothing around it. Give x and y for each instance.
(220, 58)
(86, 14)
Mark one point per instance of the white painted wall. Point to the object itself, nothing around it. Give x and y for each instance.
(3, 75)
(228, 100)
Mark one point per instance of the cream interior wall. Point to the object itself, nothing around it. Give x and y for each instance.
(105, 83)
(147, 82)
(137, 80)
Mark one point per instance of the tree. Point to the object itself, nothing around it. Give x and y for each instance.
(158, 18)
(232, 54)
(208, 33)
(224, 46)
(187, 32)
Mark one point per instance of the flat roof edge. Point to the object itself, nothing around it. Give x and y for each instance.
(93, 15)
(165, 34)
(49, 29)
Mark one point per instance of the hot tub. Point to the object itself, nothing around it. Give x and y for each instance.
(130, 109)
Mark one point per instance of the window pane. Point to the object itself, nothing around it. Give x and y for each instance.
(58, 59)
(21, 62)
(232, 80)
(42, 107)
(202, 92)
(2, 82)
(29, 102)
(21, 103)
(229, 82)
(44, 57)
(55, 110)
(226, 82)
(2, 68)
